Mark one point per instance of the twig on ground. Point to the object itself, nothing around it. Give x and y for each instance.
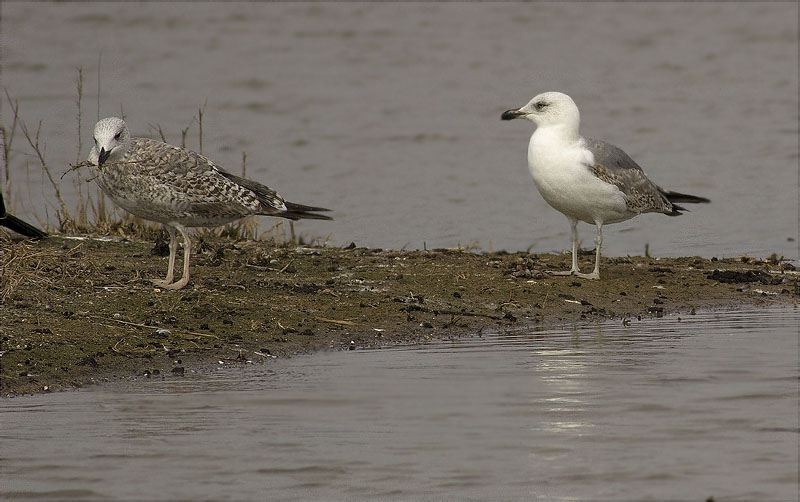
(136, 324)
(337, 321)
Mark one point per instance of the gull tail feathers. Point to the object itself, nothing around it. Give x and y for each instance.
(300, 211)
(684, 197)
(674, 197)
(271, 200)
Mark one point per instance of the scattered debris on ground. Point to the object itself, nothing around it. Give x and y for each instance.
(79, 311)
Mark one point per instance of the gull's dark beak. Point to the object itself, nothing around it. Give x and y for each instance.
(103, 157)
(512, 114)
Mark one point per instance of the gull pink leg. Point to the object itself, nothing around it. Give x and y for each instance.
(598, 242)
(187, 250)
(573, 223)
(173, 249)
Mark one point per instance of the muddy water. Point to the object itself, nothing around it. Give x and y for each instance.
(661, 409)
(389, 114)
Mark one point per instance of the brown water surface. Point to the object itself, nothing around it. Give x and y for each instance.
(389, 113)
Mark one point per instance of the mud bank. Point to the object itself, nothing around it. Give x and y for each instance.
(84, 311)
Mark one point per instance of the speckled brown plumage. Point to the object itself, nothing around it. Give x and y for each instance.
(178, 187)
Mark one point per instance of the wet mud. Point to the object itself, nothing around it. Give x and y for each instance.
(77, 312)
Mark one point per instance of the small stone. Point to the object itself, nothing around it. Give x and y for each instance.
(178, 371)
(88, 361)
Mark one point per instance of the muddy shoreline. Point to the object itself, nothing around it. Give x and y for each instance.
(77, 312)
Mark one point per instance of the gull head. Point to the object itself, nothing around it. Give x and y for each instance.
(548, 108)
(111, 139)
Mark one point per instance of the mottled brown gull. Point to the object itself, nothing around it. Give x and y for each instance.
(179, 188)
(587, 179)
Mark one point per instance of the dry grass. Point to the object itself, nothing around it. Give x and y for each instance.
(22, 261)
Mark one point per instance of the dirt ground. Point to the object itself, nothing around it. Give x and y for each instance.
(76, 312)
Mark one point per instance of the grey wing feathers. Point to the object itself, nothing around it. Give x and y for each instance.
(203, 186)
(611, 156)
(267, 196)
(270, 198)
(193, 180)
(614, 166)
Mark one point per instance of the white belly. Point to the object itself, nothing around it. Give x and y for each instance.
(566, 183)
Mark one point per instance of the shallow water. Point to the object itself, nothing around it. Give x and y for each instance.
(665, 408)
(390, 113)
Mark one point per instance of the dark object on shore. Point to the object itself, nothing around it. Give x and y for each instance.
(21, 227)
(735, 276)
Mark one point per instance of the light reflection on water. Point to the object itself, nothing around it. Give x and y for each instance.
(665, 408)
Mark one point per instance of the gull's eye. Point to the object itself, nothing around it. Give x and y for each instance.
(118, 136)
(540, 105)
